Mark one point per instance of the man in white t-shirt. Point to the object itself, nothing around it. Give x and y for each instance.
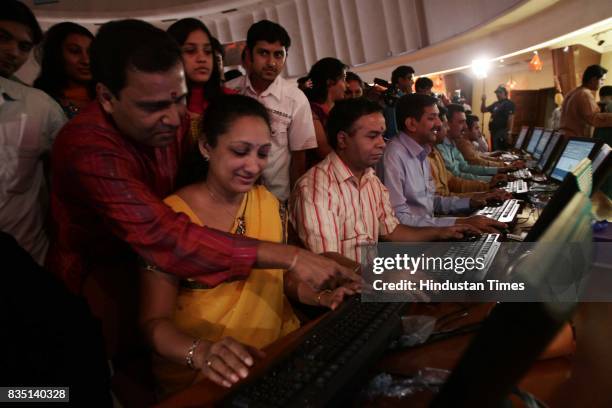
(292, 126)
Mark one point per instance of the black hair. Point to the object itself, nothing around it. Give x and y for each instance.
(232, 74)
(130, 44)
(351, 76)
(593, 71)
(400, 72)
(423, 83)
(605, 91)
(217, 46)
(53, 78)
(452, 109)
(268, 31)
(324, 70)
(13, 10)
(302, 80)
(471, 120)
(220, 114)
(180, 30)
(345, 113)
(412, 106)
(443, 111)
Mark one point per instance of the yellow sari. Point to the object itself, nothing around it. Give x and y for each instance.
(254, 311)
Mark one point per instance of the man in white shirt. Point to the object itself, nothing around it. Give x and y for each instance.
(292, 126)
(29, 121)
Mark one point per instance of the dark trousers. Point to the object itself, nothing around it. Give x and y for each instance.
(498, 138)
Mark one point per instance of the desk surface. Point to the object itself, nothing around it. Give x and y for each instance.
(543, 379)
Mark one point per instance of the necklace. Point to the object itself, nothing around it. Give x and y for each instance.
(241, 224)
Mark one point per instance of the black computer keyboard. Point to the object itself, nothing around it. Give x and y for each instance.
(485, 247)
(326, 366)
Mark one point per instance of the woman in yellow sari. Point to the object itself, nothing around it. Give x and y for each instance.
(214, 332)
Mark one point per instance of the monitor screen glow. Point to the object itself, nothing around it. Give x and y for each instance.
(535, 138)
(549, 150)
(574, 152)
(537, 153)
(521, 137)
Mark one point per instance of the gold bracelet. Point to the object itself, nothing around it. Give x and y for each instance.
(321, 294)
(191, 353)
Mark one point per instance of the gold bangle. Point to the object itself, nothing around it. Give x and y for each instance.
(321, 294)
(191, 353)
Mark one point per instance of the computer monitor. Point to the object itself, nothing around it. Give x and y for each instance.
(514, 335)
(543, 162)
(537, 153)
(521, 137)
(602, 167)
(575, 150)
(603, 153)
(535, 138)
(562, 196)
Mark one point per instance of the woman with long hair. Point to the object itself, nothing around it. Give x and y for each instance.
(64, 67)
(201, 68)
(328, 77)
(199, 331)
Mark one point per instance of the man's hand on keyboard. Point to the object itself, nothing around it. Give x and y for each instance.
(483, 224)
(226, 361)
(494, 195)
(320, 272)
(456, 232)
(477, 203)
(496, 178)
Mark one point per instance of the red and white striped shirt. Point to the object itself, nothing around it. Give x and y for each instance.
(333, 211)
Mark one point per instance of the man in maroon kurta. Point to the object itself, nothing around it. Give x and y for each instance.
(114, 163)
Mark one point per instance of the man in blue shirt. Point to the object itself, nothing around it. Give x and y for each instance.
(407, 175)
(455, 162)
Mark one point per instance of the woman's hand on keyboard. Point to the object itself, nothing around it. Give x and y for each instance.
(333, 298)
(226, 361)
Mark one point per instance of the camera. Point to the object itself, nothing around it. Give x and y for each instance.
(391, 95)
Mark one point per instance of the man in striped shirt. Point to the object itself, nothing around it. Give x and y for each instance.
(340, 205)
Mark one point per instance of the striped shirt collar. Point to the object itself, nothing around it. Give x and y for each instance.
(343, 173)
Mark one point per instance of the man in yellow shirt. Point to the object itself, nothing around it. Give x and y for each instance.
(467, 148)
(448, 184)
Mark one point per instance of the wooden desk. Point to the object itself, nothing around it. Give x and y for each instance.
(543, 379)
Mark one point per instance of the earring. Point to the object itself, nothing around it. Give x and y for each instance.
(206, 158)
